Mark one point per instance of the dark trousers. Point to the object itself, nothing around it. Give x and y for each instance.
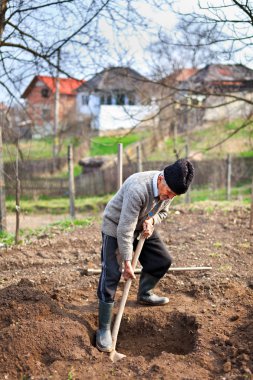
(154, 258)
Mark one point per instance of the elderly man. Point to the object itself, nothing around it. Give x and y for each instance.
(140, 204)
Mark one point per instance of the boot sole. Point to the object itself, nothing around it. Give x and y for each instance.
(104, 349)
(152, 303)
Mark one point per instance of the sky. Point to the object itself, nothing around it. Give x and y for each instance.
(132, 47)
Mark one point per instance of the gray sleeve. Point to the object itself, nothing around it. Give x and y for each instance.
(162, 214)
(129, 216)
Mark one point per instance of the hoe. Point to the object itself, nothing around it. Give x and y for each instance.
(114, 355)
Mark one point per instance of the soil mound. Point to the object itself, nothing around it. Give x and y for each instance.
(36, 333)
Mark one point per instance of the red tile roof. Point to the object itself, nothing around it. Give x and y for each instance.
(67, 86)
(185, 74)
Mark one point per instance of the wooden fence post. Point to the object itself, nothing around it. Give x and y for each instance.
(229, 174)
(139, 158)
(17, 201)
(251, 211)
(2, 185)
(71, 182)
(187, 195)
(120, 165)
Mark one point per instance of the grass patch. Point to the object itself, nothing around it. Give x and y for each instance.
(246, 154)
(242, 193)
(66, 225)
(27, 234)
(7, 238)
(38, 149)
(106, 145)
(240, 144)
(57, 206)
(95, 205)
(217, 244)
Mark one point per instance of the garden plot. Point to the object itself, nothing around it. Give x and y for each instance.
(48, 307)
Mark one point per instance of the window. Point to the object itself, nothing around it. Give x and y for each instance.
(45, 92)
(85, 100)
(106, 99)
(131, 99)
(45, 114)
(120, 99)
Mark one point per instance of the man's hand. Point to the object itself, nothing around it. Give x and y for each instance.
(148, 228)
(128, 271)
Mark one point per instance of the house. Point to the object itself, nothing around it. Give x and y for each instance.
(221, 91)
(116, 98)
(15, 124)
(40, 101)
(167, 93)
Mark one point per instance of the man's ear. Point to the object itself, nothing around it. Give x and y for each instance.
(160, 178)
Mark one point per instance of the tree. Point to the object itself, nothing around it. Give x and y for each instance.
(217, 31)
(32, 32)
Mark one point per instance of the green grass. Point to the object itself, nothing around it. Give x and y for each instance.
(95, 205)
(240, 193)
(246, 153)
(57, 206)
(6, 238)
(107, 145)
(66, 225)
(38, 148)
(199, 141)
(27, 234)
(206, 199)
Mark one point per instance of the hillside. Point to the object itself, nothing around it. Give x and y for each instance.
(201, 141)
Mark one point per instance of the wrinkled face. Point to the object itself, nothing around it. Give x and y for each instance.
(164, 191)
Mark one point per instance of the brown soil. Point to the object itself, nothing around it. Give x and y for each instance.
(48, 306)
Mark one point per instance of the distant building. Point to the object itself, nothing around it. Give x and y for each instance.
(116, 98)
(221, 91)
(40, 101)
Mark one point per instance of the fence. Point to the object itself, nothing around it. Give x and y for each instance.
(209, 172)
(34, 168)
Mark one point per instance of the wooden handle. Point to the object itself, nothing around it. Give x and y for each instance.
(127, 286)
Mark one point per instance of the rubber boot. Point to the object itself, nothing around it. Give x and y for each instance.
(103, 335)
(145, 293)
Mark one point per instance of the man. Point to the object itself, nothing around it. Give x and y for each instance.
(140, 204)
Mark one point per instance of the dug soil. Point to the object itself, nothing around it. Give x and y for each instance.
(48, 306)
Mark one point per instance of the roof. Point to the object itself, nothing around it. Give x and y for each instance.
(185, 74)
(114, 78)
(3, 107)
(68, 86)
(179, 75)
(223, 74)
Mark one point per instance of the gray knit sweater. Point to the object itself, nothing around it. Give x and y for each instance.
(125, 213)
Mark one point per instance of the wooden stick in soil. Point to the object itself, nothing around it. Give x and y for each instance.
(95, 271)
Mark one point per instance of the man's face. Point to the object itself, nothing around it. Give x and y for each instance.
(164, 191)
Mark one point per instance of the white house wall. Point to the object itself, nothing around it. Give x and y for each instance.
(92, 108)
(113, 117)
(229, 111)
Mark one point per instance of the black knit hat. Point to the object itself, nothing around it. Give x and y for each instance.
(179, 175)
